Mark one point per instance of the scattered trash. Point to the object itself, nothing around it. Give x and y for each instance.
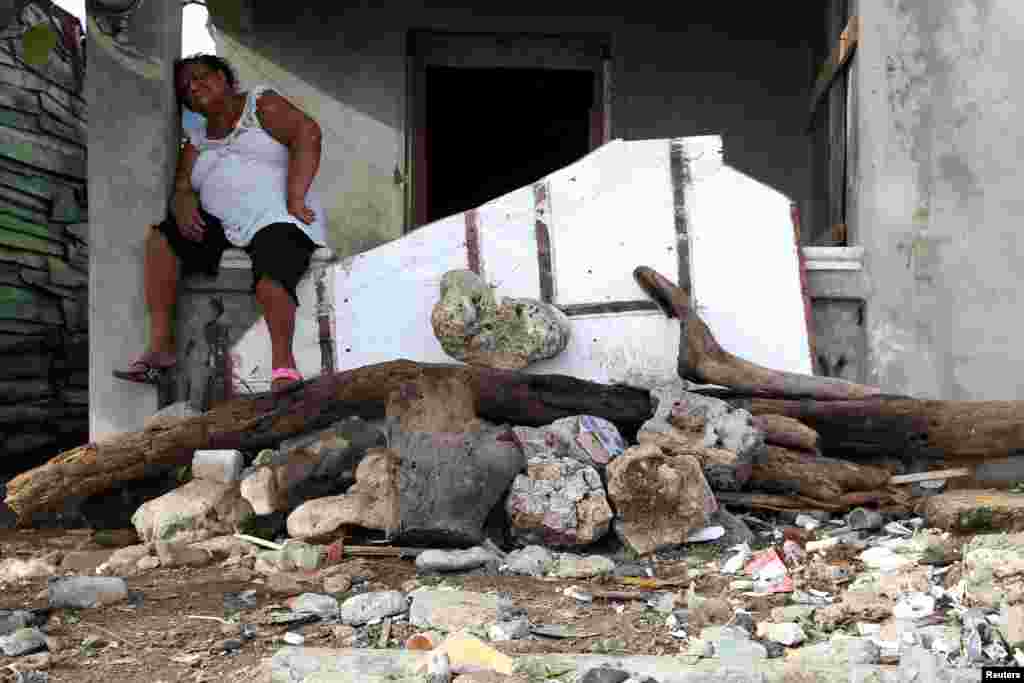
(769, 573)
(741, 554)
(862, 518)
(711, 533)
(793, 553)
(914, 606)
(292, 638)
(807, 522)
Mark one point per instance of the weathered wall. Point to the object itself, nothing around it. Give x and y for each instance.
(718, 73)
(43, 237)
(938, 179)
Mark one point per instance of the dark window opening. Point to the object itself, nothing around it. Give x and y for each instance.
(491, 131)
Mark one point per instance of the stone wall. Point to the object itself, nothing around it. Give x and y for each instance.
(43, 242)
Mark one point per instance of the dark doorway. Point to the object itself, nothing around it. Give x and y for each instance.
(490, 131)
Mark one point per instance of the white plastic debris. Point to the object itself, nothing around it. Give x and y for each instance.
(824, 544)
(866, 629)
(914, 606)
(710, 533)
(576, 593)
(884, 559)
(897, 529)
(294, 638)
(807, 522)
(741, 553)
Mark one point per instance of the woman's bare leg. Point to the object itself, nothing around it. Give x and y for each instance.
(161, 291)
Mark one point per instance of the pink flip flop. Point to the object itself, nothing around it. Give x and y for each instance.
(291, 375)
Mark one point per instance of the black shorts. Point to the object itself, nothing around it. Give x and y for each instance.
(279, 251)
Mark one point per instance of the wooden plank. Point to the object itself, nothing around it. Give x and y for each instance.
(19, 240)
(17, 98)
(23, 204)
(35, 185)
(71, 113)
(11, 222)
(22, 258)
(24, 365)
(43, 151)
(835, 65)
(57, 128)
(25, 328)
(930, 476)
(25, 80)
(19, 303)
(24, 390)
(56, 71)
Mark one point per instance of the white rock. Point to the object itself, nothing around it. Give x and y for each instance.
(366, 607)
(85, 592)
(294, 638)
(148, 563)
(22, 642)
(533, 560)
(453, 560)
(224, 466)
(194, 512)
(509, 630)
(788, 634)
(575, 567)
(124, 560)
(324, 606)
(14, 569)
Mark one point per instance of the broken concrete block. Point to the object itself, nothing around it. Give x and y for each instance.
(371, 503)
(725, 438)
(589, 439)
(224, 466)
(974, 510)
(198, 510)
(558, 502)
(473, 327)
(448, 483)
(659, 499)
(993, 569)
(314, 465)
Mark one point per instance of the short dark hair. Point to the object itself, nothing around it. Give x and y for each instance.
(210, 61)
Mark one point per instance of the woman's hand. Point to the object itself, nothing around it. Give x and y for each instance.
(186, 213)
(298, 208)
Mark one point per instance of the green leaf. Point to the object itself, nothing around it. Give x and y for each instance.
(38, 41)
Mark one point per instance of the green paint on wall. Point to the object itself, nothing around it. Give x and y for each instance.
(10, 222)
(17, 240)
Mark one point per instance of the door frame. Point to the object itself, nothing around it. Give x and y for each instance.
(426, 48)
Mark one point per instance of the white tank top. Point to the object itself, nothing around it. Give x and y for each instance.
(243, 179)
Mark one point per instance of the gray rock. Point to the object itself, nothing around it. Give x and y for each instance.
(633, 569)
(473, 327)
(839, 652)
(741, 652)
(323, 463)
(514, 629)
(360, 609)
(454, 610)
(324, 606)
(448, 483)
(431, 561)
(533, 560)
(222, 465)
(13, 619)
(22, 642)
(439, 668)
(736, 530)
(32, 677)
(558, 502)
(198, 510)
(85, 592)
(605, 675)
(576, 567)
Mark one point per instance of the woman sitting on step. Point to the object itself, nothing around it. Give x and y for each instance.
(243, 180)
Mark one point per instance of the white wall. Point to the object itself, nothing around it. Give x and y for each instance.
(938, 186)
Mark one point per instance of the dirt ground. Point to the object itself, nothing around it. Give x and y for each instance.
(171, 628)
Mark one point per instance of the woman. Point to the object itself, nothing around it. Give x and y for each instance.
(243, 180)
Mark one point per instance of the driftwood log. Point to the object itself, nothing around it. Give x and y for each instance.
(780, 430)
(264, 420)
(702, 359)
(958, 432)
(813, 476)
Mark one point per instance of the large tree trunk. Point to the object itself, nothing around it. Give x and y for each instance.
(812, 476)
(502, 396)
(959, 432)
(702, 359)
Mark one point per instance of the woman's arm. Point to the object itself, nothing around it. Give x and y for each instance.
(185, 202)
(301, 135)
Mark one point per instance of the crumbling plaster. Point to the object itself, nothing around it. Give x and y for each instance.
(937, 193)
